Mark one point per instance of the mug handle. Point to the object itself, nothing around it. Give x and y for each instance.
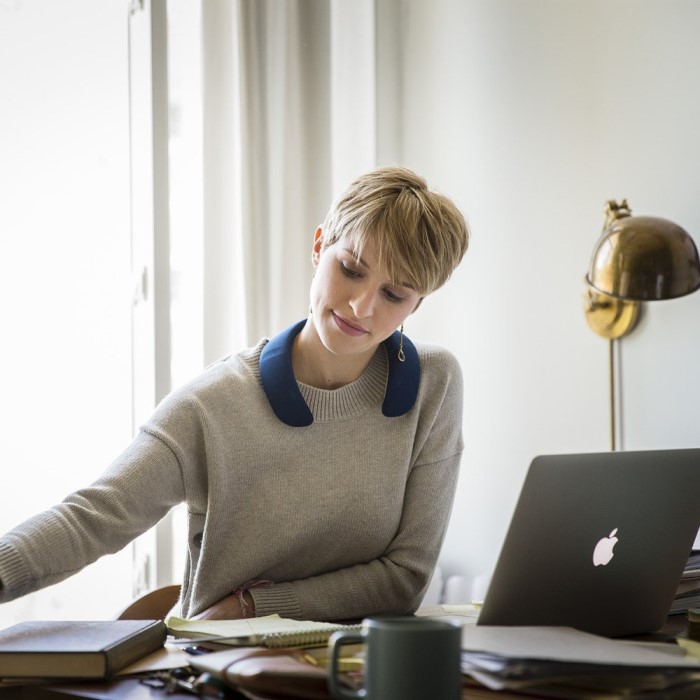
(335, 642)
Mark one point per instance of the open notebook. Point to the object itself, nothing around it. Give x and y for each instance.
(268, 631)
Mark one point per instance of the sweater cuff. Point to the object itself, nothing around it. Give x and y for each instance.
(13, 573)
(279, 599)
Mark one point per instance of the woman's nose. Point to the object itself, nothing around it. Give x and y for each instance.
(362, 302)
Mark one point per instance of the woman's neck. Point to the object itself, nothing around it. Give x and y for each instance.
(316, 366)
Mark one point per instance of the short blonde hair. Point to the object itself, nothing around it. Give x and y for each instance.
(420, 235)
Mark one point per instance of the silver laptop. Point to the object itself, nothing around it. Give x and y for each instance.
(598, 542)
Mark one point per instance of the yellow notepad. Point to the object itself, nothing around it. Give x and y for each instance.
(269, 631)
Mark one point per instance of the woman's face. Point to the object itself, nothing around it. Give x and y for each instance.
(355, 306)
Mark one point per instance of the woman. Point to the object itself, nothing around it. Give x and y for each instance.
(318, 467)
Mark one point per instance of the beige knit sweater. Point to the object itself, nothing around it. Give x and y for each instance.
(344, 517)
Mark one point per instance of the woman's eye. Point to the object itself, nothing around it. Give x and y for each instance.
(392, 297)
(349, 272)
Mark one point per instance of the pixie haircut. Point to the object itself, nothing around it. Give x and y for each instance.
(420, 236)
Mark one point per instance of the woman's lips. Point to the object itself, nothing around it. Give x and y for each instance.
(347, 327)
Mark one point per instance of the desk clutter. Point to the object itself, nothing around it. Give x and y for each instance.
(500, 663)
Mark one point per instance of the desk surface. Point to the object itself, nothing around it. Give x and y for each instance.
(133, 689)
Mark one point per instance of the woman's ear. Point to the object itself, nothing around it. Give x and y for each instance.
(318, 244)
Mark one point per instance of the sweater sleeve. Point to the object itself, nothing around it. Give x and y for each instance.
(91, 522)
(395, 582)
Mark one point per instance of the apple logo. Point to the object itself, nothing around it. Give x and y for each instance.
(603, 551)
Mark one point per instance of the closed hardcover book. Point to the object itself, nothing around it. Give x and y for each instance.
(76, 649)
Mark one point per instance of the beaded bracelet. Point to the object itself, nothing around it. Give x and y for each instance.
(243, 589)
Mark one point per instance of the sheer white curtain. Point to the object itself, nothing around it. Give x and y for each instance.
(289, 117)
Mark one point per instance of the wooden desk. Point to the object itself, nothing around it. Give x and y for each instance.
(126, 689)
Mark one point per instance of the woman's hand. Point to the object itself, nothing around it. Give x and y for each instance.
(228, 608)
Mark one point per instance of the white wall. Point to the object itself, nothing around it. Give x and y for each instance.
(532, 114)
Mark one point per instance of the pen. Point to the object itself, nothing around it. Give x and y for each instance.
(195, 650)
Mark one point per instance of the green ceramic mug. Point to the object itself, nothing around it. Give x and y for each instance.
(407, 658)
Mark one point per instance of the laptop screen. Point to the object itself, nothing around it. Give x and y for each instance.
(598, 542)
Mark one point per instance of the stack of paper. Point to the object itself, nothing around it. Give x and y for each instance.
(465, 614)
(694, 624)
(559, 662)
(688, 593)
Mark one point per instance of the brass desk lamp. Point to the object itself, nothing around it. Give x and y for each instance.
(636, 259)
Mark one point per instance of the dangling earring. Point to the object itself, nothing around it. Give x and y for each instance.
(400, 354)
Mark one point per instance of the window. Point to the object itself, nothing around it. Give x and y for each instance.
(65, 359)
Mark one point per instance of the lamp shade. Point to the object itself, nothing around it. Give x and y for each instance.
(643, 258)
